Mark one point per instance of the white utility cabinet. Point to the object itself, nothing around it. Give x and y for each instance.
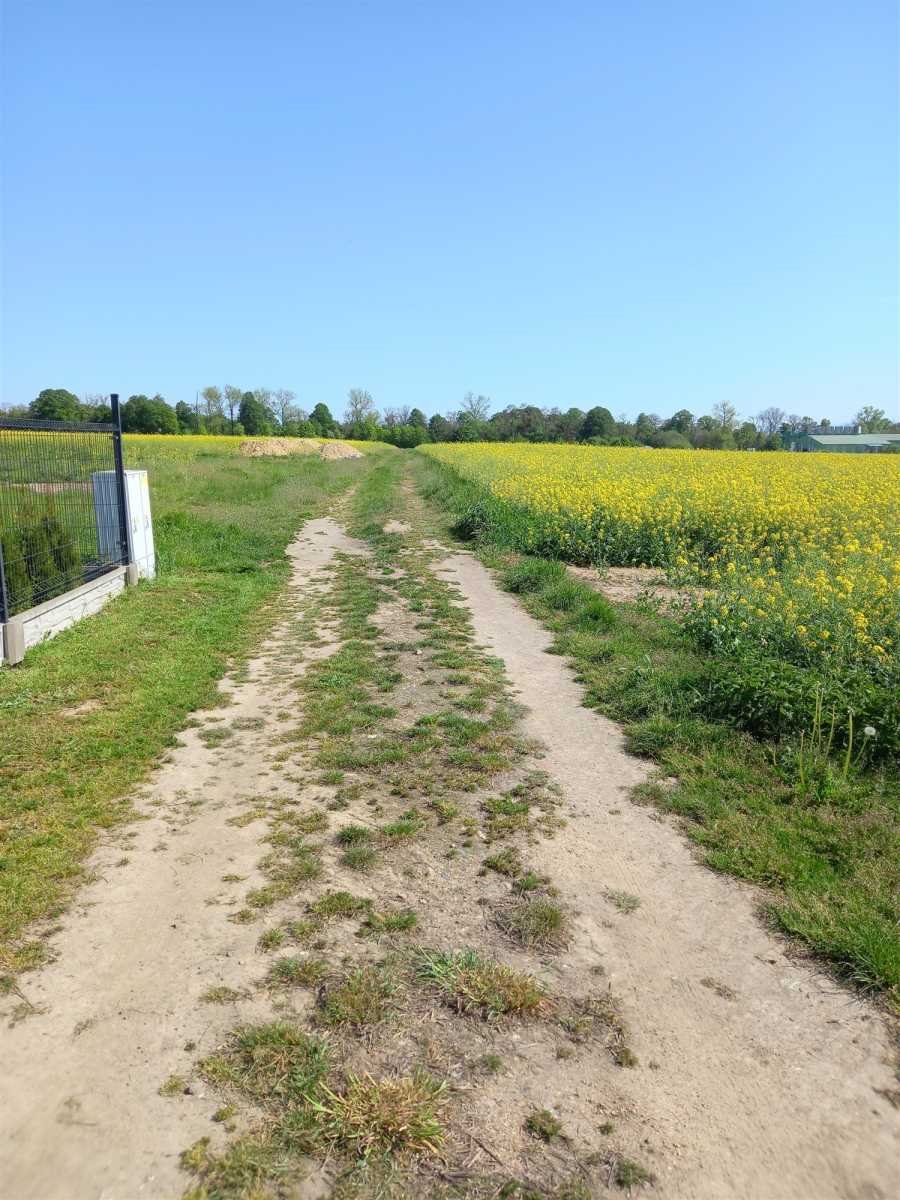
(139, 519)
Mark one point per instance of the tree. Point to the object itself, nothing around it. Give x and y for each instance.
(188, 421)
(232, 402)
(669, 439)
(285, 410)
(746, 436)
(872, 420)
(725, 414)
(264, 397)
(360, 407)
(55, 404)
(598, 423)
(682, 422)
(254, 416)
(476, 407)
(440, 429)
(770, 420)
(212, 399)
(417, 418)
(324, 423)
(96, 407)
(141, 414)
(646, 425)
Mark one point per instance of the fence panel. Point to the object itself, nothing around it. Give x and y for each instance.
(61, 523)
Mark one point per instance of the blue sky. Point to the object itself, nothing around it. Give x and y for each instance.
(647, 206)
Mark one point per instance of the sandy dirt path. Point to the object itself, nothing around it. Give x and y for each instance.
(760, 1077)
(119, 1011)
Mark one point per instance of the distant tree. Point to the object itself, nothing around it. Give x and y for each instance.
(233, 397)
(746, 436)
(188, 421)
(391, 418)
(598, 423)
(770, 420)
(418, 418)
(55, 404)
(254, 416)
(476, 407)
(323, 422)
(440, 429)
(669, 439)
(682, 422)
(645, 426)
(360, 407)
(96, 407)
(872, 420)
(284, 404)
(212, 401)
(142, 414)
(825, 423)
(264, 397)
(469, 428)
(725, 414)
(567, 425)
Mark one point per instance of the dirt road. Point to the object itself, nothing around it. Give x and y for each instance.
(749, 1075)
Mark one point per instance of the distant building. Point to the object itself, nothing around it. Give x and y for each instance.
(843, 443)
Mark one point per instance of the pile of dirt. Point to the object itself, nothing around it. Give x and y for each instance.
(278, 447)
(333, 450)
(283, 447)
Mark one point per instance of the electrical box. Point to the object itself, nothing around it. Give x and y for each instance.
(138, 520)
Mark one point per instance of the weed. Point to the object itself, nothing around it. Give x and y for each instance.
(492, 1063)
(297, 972)
(353, 835)
(339, 904)
(274, 1064)
(390, 1116)
(359, 858)
(174, 1086)
(542, 1124)
(534, 923)
(505, 862)
(271, 939)
(625, 902)
(364, 998)
(473, 984)
(220, 995)
(378, 924)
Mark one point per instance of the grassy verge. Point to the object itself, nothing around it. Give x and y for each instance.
(786, 815)
(86, 715)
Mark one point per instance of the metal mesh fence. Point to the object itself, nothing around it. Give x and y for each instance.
(60, 520)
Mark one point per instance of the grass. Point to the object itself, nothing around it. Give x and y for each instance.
(542, 1124)
(829, 857)
(473, 984)
(153, 656)
(297, 972)
(535, 922)
(363, 999)
(372, 1118)
(339, 904)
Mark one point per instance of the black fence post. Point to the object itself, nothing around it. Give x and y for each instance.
(4, 598)
(120, 478)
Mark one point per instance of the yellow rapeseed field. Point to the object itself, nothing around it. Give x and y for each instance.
(801, 553)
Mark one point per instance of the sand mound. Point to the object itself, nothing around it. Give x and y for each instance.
(339, 450)
(278, 447)
(282, 447)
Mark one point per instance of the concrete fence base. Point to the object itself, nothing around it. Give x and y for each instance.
(45, 620)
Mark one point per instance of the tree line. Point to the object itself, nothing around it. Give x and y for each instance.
(262, 412)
